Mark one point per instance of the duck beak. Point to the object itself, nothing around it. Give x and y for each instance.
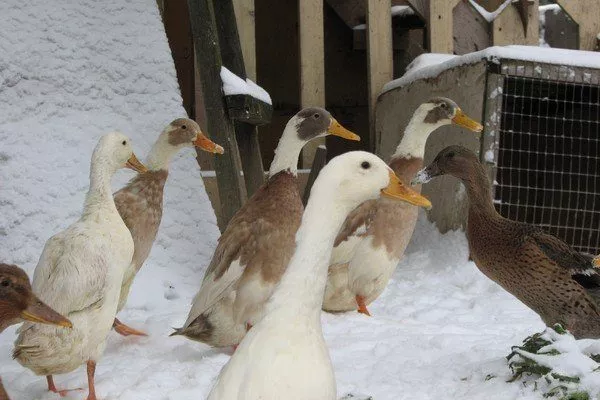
(462, 119)
(41, 313)
(596, 261)
(425, 175)
(135, 164)
(207, 145)
(396, 189)
(336, 129)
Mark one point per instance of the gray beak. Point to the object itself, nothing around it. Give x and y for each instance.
(423, 176)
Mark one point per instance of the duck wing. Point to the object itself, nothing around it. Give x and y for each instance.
(357, 222)
(61, 281)
(579, 265)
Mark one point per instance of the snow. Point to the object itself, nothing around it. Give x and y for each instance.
(490, 16)
(434, 64)
(233, 84)
(71, 71)
(397, 11)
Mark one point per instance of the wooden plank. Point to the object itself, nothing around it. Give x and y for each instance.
(208, 62)
(380, 64)
(587, 15)
(318, 164)
(471, 30)
(312, 65)
(244, 14)
(507, 28)
(179, 34)
(244, 108)
(440, 26)
(232, 58)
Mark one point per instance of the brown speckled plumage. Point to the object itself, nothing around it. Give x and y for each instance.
(542, 271)
(140, 205)
(261, 237)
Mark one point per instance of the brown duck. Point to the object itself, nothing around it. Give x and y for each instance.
(18, 303)
(258, 242)
(140, 202)
(546, 274)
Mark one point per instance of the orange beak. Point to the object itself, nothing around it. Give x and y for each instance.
(135, 164)
(597, 261)
(396, 189)
(207, 145)
(336, 129)
(462, 119)
(41, 313)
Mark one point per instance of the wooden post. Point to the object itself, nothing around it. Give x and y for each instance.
(232, 58)
(312, 65)
(208, 55)
(244, 14)
(586, 13)
(507, 28)
(318, 164)
(380, 56)
(440, 27)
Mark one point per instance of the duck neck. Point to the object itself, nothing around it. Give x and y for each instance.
(160, 155)
(479, 190)
(287, 151)
(303, 285)
(415, 136)
(99, 194)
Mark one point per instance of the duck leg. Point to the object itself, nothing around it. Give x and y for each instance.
(91, 370)
(52, 387)
(362, 307)
(125, 330)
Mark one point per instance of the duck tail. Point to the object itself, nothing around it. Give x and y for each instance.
(178, 332)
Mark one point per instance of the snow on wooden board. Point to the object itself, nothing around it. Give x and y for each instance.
(490, 16)
(233, 84)
(433, 64)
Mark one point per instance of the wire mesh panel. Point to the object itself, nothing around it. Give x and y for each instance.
(548, 158)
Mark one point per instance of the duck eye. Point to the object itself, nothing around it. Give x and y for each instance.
(183, 127)
(124, 142)
(365, 165)
(316, 116)
(450, 155)
(5, 283)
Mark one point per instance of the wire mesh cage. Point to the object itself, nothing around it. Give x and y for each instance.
(546, 149)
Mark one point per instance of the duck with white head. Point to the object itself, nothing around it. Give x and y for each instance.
(284, 356)
(79, 274)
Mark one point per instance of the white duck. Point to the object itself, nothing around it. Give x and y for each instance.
(140, 202)
(284, 355)
(375, 235)
(79, 274)
(258, 242)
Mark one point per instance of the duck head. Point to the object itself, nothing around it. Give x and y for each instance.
(114, 151)
(440, 111)
(184, 132)
(455, 160)
(362, 176)
(18, 303)
(308, 124)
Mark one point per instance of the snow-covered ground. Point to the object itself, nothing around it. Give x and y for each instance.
(70, 71)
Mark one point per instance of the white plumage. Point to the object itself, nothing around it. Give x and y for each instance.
(80, 271)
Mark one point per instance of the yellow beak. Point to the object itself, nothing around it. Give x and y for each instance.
(336, 129)
(135, 164)
(41, 313)
(597, 261)
(462, 119)
(207, 145)
(396, 189)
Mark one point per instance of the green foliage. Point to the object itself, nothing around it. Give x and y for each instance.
(560, 385)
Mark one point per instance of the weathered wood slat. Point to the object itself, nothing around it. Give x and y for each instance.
(232, 58)
(244, 108)
(219, 126)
